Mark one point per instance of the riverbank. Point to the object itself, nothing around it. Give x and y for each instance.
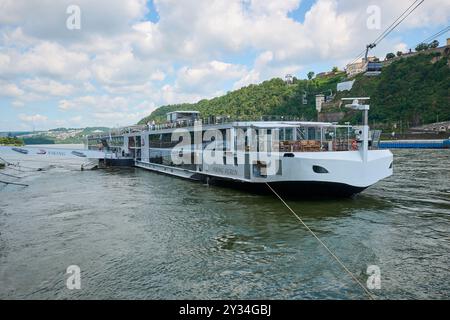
(11, 142)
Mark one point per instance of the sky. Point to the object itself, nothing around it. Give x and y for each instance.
(112, 62)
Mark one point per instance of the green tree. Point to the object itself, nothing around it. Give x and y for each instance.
(399, 53)
(421, 47)
(390, 56)
(434, 44)
(335, 70)
(310, 75)
(11, 141)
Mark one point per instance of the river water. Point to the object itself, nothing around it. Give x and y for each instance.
(139, 235)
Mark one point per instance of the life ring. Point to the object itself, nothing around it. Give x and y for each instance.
(354, 145)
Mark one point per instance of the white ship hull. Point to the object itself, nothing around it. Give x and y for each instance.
(347, 173)
(294, 157)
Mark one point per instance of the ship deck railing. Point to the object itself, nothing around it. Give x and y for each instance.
(216, 121)
(210, 121)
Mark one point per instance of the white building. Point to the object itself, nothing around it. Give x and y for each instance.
(320, 99)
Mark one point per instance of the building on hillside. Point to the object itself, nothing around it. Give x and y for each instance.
(324, 74)
(433, 127)
(177, 116)
(352, 69)
(320, 100)
(289, 79)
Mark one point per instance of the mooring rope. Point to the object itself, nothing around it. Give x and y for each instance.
(10, 175)
(14, 183)
(50, 162)
(323, 244)
(13, 167)
(10, 165)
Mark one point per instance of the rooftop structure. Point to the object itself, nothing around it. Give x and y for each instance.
(182, 116)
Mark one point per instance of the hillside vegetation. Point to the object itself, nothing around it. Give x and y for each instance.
(411, 90)
(10, 141)
(270, 98)
(60, 136)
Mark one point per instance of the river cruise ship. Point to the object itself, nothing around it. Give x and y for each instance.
(297, 158)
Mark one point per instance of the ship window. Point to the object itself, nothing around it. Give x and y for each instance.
(391, 165)
(289, 155)
(319, 169)
(289, 134)
(312, 133)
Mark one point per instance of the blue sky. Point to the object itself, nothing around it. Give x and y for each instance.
(129, 57)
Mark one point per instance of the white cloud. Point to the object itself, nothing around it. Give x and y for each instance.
(269, 7)
(18, 104)
(402, 47)
(48, 87)
(10, 90)
(35, 119)
(94, 103)
(265, 68)
(146, 106)
(45, 59)
(47, 19)
(119, 118)
(173, 95)
(158, 76)
(207, 76)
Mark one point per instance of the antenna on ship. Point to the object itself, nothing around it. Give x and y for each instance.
(357, 104)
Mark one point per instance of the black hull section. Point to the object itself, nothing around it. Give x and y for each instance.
(294, 189)
(119, 162)
(286, 189)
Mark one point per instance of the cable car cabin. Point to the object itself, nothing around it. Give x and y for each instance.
(374, 68)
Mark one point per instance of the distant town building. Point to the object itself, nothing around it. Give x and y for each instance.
(320, 99)
(289, 79)
(325, 74)
(352, 69)
(433, 127)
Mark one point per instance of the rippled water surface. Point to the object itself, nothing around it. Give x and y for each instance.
(141, 235)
